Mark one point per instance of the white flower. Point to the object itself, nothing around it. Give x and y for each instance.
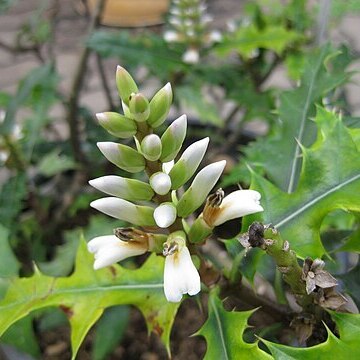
(180, 275)
(160, 183)
(191, 56)
(237, 204)
(109, 249)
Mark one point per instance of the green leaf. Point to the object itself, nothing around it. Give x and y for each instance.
(248, 39)
(54, 163)
(12, 195)
(9, 266)
(109, 331)
(86, 293)
(329, 180)
(332, 349)
(280, 154)
(224, 332)
(191, 96)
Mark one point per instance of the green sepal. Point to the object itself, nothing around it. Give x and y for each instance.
(125, 84)
(199, 230)
(160, 106)
(117, 124)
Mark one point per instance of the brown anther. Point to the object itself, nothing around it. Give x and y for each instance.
(170, 249)
(212, 206)
(131, 234)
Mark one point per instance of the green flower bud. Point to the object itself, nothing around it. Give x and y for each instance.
(160, 106)
(173, 139)
(117, 124)
(202, 184)
(128, 189)
(125, 210)
(125, 84)
(139, 107)
(151, 147)
(189, 161)
(123, 156)
(199, 230)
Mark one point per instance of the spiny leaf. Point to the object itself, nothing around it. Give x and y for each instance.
(332, 349)
(329, 180)
(224, 332)
(86, 293)
(279, 156)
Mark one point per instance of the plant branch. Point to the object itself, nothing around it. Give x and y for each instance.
(73, 107)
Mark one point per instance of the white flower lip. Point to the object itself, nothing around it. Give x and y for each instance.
(237, 204)
(160, 183)
(180, 276)
(165, 215)
(109, 249)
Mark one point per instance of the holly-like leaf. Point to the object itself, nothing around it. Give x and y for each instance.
(224, 330)
(86, 293)
(329, 180)
(279, 155)
(333, 348)
(248, 39)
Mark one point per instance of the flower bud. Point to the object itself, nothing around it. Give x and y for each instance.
(125, 84)
(161, 183)
(151, 147)
(117, 124)
(122, 156)
(202, 184)
(125, 210)
(191, 56)
(139, 107)
(173, 139)
(160, 106)
(165, 215)
(128, 189)
(189, 161)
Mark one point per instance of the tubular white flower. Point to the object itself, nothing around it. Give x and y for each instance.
(109, 249)
(160, 183)
(165, 214)
(180, 276)
(191, 56)
(125, 210)
(237, 204)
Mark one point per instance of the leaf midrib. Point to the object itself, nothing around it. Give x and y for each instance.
(217, 317)
(83, 290)
(316, 200)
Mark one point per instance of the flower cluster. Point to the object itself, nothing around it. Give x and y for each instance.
(188, 24)
(155, 205)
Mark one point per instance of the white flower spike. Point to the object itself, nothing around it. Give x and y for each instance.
(180, 274)
(109, 249)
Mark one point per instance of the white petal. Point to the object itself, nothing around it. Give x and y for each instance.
(171, 36)
(167, 166)
(161, 183)
(237, 204)
(117, 252)
(110, 184)
(165, 215)
(180, 276)
(96, 243)
(191, 56)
